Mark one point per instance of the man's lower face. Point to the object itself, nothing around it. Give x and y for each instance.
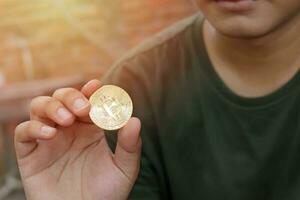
(248, 18)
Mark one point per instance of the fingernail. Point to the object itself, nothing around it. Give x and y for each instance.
(63, 114)
(80, 104)
(47, 130)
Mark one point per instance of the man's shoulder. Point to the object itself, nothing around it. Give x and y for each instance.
(158, 42)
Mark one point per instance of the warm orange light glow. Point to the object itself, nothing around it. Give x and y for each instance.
(50, 38)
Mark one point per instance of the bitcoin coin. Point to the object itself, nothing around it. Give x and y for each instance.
(111, 107)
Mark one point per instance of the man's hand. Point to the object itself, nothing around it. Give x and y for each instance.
(62, 155)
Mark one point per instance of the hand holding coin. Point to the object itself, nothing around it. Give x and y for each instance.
(62, 154)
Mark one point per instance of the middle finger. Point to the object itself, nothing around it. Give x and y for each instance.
(74, 100)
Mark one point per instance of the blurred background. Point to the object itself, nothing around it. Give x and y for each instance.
(48, 44)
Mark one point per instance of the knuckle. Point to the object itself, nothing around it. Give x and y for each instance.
(58, 92)
(30, 127)
(21, 128)
(38, 101)
(62, 93)
(53, 106)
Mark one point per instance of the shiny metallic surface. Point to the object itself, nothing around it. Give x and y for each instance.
(111, 107)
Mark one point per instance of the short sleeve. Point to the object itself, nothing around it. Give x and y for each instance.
(132, 76)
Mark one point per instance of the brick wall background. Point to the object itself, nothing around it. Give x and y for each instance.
(41, 39)
(46, 38)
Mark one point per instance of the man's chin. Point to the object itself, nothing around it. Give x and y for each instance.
(241, 31)
(242, 34)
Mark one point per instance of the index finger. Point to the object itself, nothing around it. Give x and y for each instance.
(87, 90)
(90, 87)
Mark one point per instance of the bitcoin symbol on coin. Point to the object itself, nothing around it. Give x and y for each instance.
(111, 107)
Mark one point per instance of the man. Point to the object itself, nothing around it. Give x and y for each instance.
(217, 98)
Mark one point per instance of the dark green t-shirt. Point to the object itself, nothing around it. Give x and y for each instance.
(200, 140)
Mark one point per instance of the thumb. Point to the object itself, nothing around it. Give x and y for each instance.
(128, 149)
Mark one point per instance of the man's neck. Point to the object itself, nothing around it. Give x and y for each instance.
(255, 67)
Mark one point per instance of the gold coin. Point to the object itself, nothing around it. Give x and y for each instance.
(111, 107)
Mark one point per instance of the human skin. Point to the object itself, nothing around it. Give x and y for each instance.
(244, 47)
(256, 50)
(260, 19)
(62, 155)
